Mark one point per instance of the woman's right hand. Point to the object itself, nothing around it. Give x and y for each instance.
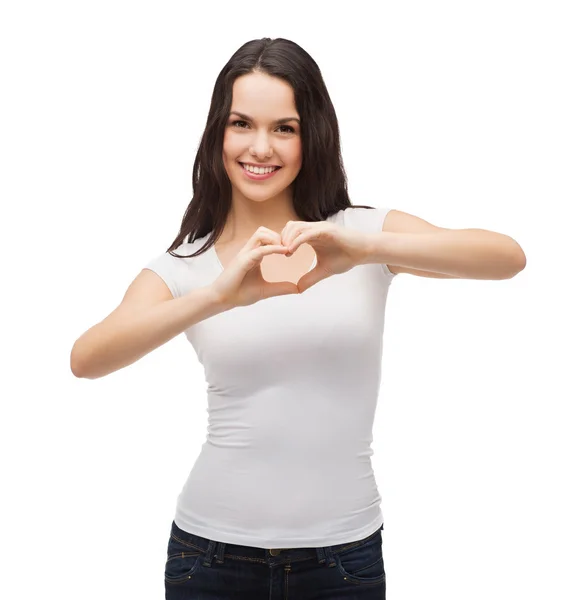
(241, 283)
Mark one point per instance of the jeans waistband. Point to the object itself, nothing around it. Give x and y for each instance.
(219, 551)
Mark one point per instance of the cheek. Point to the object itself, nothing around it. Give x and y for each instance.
(294, 154)
(234, 147)
(230, 154)
(227, 146)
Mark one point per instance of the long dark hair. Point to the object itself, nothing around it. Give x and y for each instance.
(320, 188)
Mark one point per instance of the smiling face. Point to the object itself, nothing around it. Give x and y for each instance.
(262, 128)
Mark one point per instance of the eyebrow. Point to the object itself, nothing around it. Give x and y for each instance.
(247, 118)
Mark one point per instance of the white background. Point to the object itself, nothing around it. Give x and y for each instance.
(457, 112)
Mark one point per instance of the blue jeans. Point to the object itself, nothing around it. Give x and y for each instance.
(201, 569)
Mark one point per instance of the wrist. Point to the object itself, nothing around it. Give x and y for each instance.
(374, 248)
(220, 301)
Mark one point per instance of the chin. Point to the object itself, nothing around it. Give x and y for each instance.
(262, 196)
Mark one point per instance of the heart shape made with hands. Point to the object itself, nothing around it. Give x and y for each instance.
(304, 257)
(337, 249)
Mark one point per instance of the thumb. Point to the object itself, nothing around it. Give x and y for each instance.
(281, 288)
(309, 279)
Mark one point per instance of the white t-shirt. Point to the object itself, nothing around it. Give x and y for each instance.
(292, 389)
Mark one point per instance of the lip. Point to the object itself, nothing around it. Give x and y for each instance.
(263, 165)
(258, 177)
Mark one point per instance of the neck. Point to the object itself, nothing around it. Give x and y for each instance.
(246, 216)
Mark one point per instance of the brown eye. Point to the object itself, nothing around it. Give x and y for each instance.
(287, 127)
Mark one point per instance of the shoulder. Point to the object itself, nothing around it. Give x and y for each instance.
(175, 262)
(364, 218)
(180, 273)
(183, 251)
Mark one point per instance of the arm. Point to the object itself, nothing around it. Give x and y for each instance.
(133, 330)
(408, 244)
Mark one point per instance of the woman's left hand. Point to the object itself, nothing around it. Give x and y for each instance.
(338, 249)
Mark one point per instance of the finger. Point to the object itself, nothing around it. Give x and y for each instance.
(287, 230)
(263, 235)
(300, 238)
(262, 239)
(262, 251)
(293, 229)
(309, 279)
(280, 288)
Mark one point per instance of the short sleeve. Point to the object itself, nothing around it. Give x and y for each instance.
(170, 269)
(369, 220)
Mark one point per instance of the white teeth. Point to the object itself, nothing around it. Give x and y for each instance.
(258, 170)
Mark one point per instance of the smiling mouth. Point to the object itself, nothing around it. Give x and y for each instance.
(243, 166)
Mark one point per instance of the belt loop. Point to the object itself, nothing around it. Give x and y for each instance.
(209, 553)
(220, 554)
(325, 555)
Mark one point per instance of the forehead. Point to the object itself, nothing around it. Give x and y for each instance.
(261, 95)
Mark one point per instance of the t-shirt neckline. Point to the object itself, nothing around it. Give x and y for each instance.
(220, 267)
(219, 264)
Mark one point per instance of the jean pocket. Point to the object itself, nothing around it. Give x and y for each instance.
(363, 564)
(183, 561)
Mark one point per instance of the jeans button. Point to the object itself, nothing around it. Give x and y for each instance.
(274, 552)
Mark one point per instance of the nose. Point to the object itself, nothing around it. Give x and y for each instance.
(261, 147)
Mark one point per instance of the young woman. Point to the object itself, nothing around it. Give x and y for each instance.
(280, 285)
